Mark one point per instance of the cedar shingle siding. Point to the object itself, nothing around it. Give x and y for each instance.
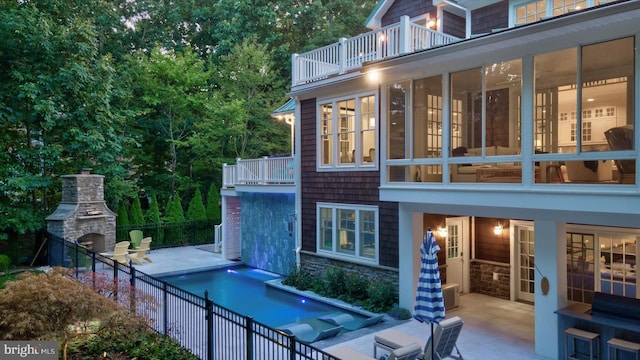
(348, 187)
(410, 8)
(490, 17)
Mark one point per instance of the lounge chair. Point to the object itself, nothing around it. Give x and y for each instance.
(409, 352)
(307, 334)
(445, 334)
(349, 322)
(140, 253)
(136, 238)
(120, 253)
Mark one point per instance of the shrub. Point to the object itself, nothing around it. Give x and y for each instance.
(382, 295)
(301, 279)
(335, 282)
(5, 261)
(196, 210)
(213, 204)
(357, 286)
(135, 213)
(399, 313)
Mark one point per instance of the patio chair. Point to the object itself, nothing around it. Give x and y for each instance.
(120, 253)
(136, 237)
(140, 253)
(409, 352)
(445, 338)
(349, 322)
(307, 334)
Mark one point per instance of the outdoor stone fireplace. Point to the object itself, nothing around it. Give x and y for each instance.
(82, 215)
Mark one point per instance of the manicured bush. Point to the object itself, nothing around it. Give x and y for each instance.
(123, 215)
(196, 209)
(135, 214)
(153, 214)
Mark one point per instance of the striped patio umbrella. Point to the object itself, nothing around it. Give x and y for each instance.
(429, 305)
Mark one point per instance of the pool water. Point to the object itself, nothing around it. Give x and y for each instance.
(243, 290)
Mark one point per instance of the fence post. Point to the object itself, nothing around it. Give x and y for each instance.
(132, 296)
(164, 307)
(115, 280)
(292, 347)
(249, 342)
(209, 314)
(77, 259)
(93, 261)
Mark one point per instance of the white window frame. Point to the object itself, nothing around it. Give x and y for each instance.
(514, 4)
(334, 252)
(358, 163)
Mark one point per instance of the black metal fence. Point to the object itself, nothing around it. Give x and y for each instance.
(208, 330)
(172, 234)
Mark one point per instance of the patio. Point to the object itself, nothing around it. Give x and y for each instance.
(493, 329)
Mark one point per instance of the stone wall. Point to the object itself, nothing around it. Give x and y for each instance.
(482, 279)
(316, 265)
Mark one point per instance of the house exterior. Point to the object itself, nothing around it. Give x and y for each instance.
(506, 127)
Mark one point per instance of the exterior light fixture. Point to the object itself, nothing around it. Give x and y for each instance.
(442, 231)
(497, 229)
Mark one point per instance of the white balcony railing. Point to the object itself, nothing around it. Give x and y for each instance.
(263, 171)
(393, 40)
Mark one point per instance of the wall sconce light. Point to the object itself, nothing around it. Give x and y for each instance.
(442, 231)
(432, 24)
(497, 229)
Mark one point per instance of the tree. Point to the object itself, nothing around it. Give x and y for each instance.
(173, 94)
(60, 308)
(123, 215)
(153, 214)
(213, 204)
(55, 114)
(196, 210)
(174, 212)
(135, 214)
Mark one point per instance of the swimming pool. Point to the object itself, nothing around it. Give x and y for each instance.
(243, 290)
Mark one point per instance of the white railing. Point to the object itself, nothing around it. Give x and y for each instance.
(263, 171)
(393, 40)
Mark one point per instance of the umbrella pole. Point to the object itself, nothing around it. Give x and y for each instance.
(433, 350)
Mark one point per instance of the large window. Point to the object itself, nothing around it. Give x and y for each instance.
(579, 120)
(600, 260)
(348, 231)
(528, 11)
(583, 102)
(347, 133)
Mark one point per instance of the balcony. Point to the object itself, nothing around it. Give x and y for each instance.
(266, 171)
(349, 54)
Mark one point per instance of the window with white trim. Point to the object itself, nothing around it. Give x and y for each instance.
(347, 133)
(526, 12)
(349, 231)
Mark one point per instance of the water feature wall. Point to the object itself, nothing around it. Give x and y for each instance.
(268, 233)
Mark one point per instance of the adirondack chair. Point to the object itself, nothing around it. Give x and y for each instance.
(136, 237)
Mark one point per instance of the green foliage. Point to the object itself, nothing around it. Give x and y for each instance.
(135, 214)
(5, 261)
(399, 313)
(377, 295)
(356, 288)
(335, 282)
(214, 212)
(196, 209)
(382, 295)
(123, 215)
(174, 211)
(153, 214)
(300, 279)
(5, 278)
